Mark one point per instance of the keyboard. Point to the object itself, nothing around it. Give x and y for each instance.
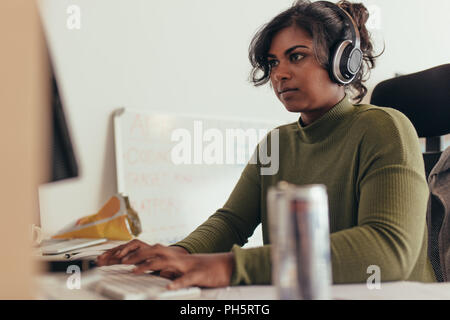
(118, 282)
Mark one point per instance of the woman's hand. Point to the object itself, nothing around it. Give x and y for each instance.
(118, 254)
(115, 255)
(203, 270)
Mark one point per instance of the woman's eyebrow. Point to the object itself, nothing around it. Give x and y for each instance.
(269, 55)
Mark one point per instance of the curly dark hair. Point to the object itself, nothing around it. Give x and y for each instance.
(326, 27)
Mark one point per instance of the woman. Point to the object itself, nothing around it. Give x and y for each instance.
(368, 157)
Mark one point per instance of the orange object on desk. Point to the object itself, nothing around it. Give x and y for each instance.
(116, 220)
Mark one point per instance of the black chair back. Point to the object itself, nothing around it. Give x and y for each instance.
(424, 97)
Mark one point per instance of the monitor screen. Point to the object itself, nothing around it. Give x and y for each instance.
(64, 164)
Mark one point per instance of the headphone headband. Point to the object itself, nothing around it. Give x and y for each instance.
(346, 57)
(356, 39)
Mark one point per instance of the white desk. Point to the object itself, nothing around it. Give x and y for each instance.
(403, 290)
(53, 286)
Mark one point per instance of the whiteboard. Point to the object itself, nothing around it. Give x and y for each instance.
(172, 169)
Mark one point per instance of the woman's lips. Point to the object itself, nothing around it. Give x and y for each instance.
(288, 93)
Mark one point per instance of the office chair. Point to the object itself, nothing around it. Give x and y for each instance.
(424, 97)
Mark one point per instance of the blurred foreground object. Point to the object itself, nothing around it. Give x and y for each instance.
(300, 238)
(115, 221)
(24, 133)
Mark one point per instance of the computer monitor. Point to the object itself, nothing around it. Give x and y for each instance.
(63, 164)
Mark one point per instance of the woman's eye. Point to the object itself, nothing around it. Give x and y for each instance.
(297, 57)
(293, 57)
(273, 63)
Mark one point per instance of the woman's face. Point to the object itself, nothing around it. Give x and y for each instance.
(299, 81)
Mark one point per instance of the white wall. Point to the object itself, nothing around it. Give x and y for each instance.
(191, 57)
(416, 34)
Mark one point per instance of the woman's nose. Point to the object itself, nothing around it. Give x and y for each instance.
(282, 73)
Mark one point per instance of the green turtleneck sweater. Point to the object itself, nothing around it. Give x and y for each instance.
(370, 160)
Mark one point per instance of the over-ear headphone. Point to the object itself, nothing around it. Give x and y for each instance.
(346, 56)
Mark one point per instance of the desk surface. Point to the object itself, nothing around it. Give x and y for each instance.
(53, 286)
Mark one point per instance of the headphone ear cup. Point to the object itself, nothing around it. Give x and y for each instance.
(338, 64)
(345, 62)
(355, 61)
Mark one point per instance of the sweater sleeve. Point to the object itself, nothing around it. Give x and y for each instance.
(234, 223)
(393, 196)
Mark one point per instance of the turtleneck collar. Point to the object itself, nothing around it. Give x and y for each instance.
(322, 127)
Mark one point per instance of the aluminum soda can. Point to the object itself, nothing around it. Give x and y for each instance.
(298, 218)
(283, 246)
(309, 207)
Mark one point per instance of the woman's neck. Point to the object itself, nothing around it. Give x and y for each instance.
(310, 116)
